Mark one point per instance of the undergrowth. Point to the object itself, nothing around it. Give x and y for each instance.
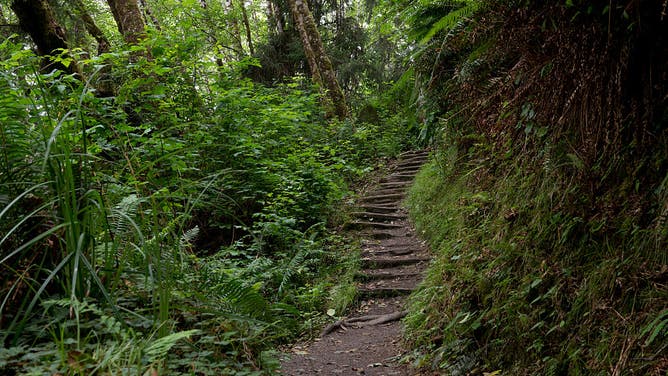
(545, 204)
(182, 226)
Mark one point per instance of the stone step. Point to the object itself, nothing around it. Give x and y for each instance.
(413, 159)
(385, 292)
(380, 208)
(404, 174)
(380, 216)
(376, 225)
(391, 262)
(399, 273)
(388, 191)
(395, 184)
(411, 165)
(412, 153)
(384, 235)
(407, 170)
(374, 198)
(385, 274)
(391, 252)
(398, 178)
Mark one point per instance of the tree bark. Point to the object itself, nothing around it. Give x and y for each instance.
(249, 38)
(275, 18)
(321, 67)
(103, 44)
(128, 19)
(149, 15)
(234, 25)
(37, 19)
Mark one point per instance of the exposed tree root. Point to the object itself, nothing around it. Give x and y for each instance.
(362, 321)
(380, 216)
(376, 225)
(393, 197)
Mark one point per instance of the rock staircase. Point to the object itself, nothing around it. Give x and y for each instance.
(367, 342)
(393, 258)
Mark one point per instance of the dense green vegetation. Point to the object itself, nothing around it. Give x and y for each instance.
(180, 222)
(170, 196)
(545, 204)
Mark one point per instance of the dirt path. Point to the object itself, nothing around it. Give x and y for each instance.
(368, 341)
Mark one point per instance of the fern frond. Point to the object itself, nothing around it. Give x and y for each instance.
(186, 240)
(160, 347)
(243, 299)
(121, 217)
(452, 19)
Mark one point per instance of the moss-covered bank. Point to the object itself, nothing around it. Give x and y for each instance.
(546, 202)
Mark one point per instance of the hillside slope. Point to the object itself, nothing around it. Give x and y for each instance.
(546, 205)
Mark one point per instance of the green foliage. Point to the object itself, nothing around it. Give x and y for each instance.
(548, 248)
(513, 273)
(180, 225)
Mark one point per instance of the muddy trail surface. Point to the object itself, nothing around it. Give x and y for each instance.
(368, 340)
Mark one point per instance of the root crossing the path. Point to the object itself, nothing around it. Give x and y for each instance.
(368, 340)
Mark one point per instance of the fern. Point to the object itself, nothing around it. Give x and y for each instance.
(121, 217)
(186, 240)
(463, 10)
(160, 347)
(243, 299)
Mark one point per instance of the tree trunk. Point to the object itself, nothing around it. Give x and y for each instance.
(103, 44)
(300, 20)
(234, 25)
(149, 15)
(321, 67)
(275, 18)
(249, 38)
(37, 19)
(128, 19)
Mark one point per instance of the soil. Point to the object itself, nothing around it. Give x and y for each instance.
(368, 341)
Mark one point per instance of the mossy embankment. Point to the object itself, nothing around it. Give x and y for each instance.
(546, 201)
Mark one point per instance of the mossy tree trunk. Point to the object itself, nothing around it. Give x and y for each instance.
(321, 67)
(103, 44)
(104, 86)
(128, 19)
(37, 19)
(236, 32)
(275, 19)
(247, 26)
(148, 15)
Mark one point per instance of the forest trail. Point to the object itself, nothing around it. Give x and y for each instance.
(368, 340)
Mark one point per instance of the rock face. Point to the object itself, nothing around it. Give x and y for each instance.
(368, 342)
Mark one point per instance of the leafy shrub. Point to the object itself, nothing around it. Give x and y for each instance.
(163, 219)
